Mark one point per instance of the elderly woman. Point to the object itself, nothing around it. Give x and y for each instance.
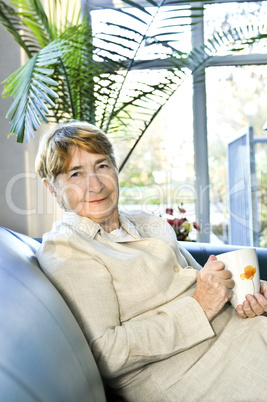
(160, 327)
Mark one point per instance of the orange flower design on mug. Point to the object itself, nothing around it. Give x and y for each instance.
(249, 272)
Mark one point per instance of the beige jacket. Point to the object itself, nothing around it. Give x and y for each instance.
(133, 300)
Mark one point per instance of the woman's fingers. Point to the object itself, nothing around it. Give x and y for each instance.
(215, 270)
(263, 285)
(254, 305)
(240, 311)
(213, 289)
(211, 259)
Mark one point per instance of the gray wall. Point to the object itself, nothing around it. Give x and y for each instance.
(25, 205)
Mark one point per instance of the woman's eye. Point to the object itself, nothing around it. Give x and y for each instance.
(76, 174)
(103, 166)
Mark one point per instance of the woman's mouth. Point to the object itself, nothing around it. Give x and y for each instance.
(97, 201)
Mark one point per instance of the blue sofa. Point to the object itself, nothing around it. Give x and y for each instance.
(44, 355)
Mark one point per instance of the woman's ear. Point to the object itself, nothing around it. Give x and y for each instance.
(52, 191)
(49, 186)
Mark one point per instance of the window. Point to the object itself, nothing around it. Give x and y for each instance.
(161, 172)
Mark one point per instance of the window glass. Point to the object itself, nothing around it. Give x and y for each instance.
(160, 172)
(236, 98)
(243, 16)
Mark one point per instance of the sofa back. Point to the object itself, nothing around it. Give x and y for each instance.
(44, 355)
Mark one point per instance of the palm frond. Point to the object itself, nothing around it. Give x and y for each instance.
(12, 21)
(30, 86)
(181, 67)
(95, 77)
(77, 75)
(32, 14)
(31, 26)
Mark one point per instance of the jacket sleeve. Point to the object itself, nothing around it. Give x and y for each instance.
(87, 287)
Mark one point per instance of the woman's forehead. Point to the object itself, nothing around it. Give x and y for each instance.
(80, 157)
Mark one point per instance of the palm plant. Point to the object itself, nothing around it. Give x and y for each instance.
(75, 74)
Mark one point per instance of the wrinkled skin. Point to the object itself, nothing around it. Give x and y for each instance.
(215, 286)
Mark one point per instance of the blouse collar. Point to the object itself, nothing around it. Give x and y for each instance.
(88, 227)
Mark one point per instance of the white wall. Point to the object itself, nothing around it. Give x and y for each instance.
(25, 205)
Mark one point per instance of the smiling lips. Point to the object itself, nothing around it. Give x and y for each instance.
(97, 201)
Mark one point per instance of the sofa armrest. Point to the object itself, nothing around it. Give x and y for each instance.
(44, 354)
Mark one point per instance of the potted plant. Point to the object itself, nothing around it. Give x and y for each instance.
(73, 74)
(180, 224)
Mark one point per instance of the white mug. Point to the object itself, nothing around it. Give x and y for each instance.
(244, 267)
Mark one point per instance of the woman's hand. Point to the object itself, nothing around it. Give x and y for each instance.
(214, 287)
(254, 304)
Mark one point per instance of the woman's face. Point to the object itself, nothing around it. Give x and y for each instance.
(89, 187)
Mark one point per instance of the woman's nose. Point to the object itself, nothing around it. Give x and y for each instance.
(95, 183)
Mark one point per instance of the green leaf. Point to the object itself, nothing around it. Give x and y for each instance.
(11, 20)
(31, 88)
(136, 5)
(153, 3)
(132, 16)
